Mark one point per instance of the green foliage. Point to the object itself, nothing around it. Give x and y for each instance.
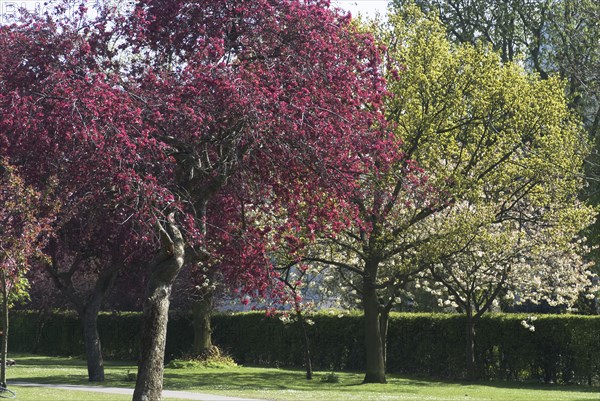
(560, 349)
(551, 39)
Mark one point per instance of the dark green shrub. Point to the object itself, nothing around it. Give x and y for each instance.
(330, 377)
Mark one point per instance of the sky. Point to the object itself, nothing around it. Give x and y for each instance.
(365, 7)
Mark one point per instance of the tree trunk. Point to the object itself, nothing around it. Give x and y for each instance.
(470, 347)
(307, 359)
(202, 312)
(87, 306)
(384, 323)
(375, 365)
(4, 350)
(89, 317)
(41, 323)
(164, 270)
(93, 348)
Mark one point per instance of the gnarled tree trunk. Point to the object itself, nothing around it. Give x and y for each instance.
(164, 270)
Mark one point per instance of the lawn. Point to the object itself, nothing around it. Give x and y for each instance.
(43, 394)
(278, 384)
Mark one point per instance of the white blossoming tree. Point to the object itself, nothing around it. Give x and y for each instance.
(518, 259)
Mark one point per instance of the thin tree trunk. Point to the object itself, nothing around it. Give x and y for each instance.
(375, 365)
(164, 270)
(4, 333)
(41, 323)
(307, 358)
(202, 313)
(384, 323)
(470, 347)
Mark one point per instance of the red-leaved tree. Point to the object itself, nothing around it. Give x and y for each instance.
(152, 112)
(24, 223)
(271, 96)
(67, 122)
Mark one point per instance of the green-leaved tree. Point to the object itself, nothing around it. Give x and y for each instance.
(475, 134)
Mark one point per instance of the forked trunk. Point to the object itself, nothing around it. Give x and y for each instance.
(87, 308)
(165, 269)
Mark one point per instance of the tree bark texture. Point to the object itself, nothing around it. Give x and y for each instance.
(470, 347)
(93, 347)
(202, 312)
(375, 365)
(164, 270)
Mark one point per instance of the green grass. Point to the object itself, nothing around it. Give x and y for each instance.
(279, 384)
(44, 394)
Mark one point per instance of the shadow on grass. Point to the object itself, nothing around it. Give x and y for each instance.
(243, 379)
(234, 380)
(64, 370)
(61, 361)
(507, 385)
(539, 387)
(45, 361)
(60, 370)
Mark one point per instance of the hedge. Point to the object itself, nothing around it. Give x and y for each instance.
(562, 349)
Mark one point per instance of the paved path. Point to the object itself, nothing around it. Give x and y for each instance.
(184, 395)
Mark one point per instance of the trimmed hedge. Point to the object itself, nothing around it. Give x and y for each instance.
(562, 349)
(61, 333)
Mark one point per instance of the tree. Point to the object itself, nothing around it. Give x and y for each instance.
(85, 271)
(473, 131)
(270, 92)
(280, 96)
(550, 38)
(239, 264)
(24, 217)
(527, 260)
(303, 290)
(58, 102)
